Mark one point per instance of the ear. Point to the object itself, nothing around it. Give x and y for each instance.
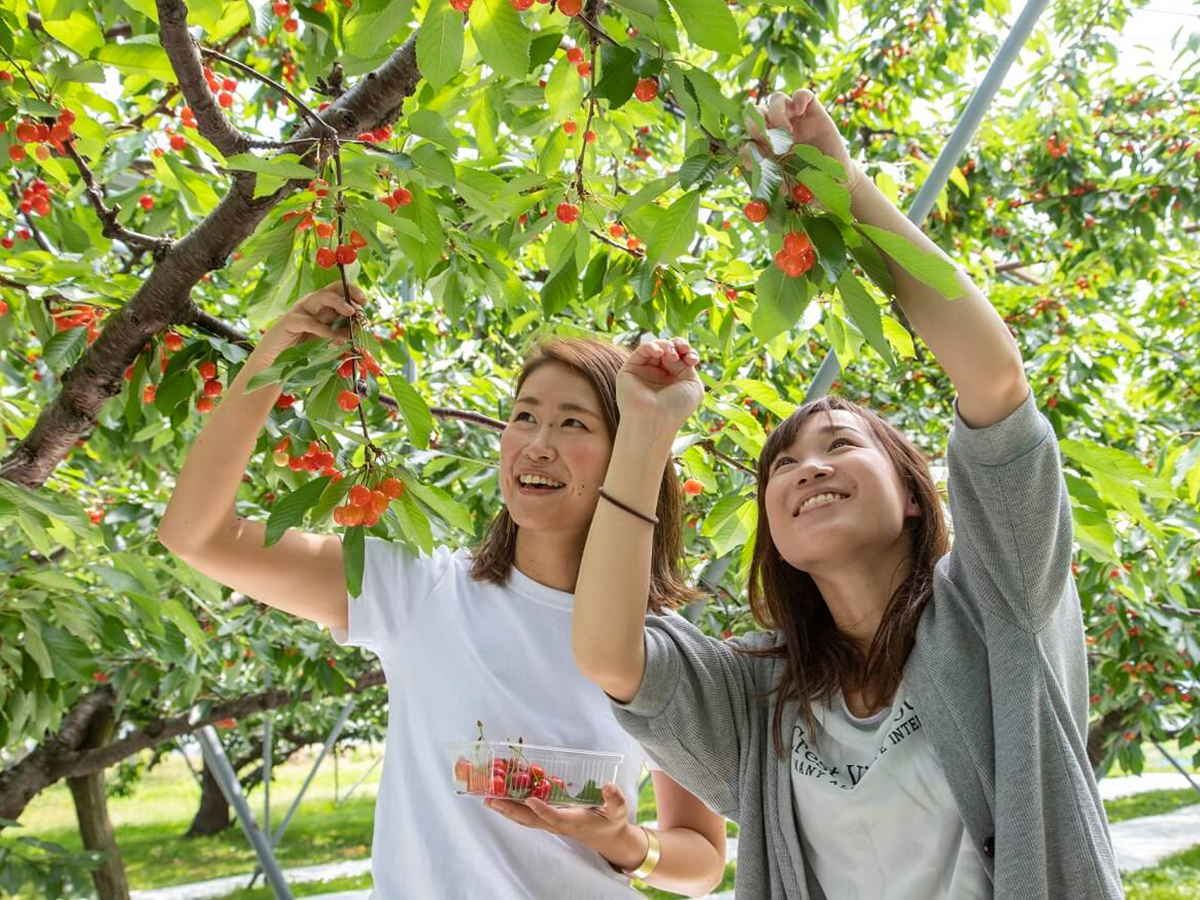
(912, 510)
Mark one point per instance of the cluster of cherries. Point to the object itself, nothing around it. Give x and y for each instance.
(327, 256)
(40, 133)
(617, 230)
(797, 255)
(508, 777)
(35, 198)
(80, 317)
(222, 87)
(566, 7)
(365, 505)
(401, 196)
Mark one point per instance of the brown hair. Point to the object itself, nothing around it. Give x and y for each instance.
(598, 362)
(818, 657)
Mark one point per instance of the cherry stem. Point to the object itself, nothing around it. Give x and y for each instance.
(340, 208)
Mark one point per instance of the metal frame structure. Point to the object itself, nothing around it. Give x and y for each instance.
(924, 201)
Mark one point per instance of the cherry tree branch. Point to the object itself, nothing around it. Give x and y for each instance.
(110, 227)
(271, 82)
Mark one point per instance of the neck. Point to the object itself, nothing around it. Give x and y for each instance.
(551, 558)
(857, 592)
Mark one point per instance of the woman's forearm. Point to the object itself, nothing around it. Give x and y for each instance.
(205, 489)
(614, 575)
(689, 864)
(969, 339)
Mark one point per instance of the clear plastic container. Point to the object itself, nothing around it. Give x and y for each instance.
(557, 775)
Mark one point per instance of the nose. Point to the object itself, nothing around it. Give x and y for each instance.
(812, 470)
(540, 446)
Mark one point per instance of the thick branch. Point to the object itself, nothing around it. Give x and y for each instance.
(189, 71)
(110, 227)
(60, 756)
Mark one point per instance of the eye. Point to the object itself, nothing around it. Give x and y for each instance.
(578, 422)
(522, 416)
(841, 440)
(781, 461)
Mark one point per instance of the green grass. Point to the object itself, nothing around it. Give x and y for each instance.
(1151, 803)
(1174, 878)
(151, 822)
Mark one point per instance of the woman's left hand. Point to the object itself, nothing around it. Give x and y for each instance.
(595, 826)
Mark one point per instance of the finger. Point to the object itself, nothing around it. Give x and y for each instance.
(685, 351)
(614, 801)
(800, 102)
(554, 819)
(777, 110)
(303, 322)
(515, 812)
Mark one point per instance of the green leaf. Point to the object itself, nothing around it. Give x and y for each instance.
(414, 409)
(501, 36)
(927, 267)
(710, 24)
(286, 165)
(815, 158)
(648, 193)
(35, 646)
(960, 181)
(65, 348)
(618, 76)
(441, 503)
(289, 512)
(674, 231)
(374, 24)
(832, 193)
(138, 59)
(645, 7)
(353, 558)
(432, 126)
(413, 521)
(865, 312)
(781, 302)
(699, 169)
(899, 337)
(440, 44)
(765, 177)
(564, 90)
(1117, 465)
(561, 288)
(78, 32)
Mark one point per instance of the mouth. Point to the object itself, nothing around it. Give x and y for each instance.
(538, 484)
(820, 501)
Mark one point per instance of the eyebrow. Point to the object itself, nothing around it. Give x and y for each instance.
(565, 407)
(824, 429)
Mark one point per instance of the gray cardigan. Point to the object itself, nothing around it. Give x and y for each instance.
(998, 674)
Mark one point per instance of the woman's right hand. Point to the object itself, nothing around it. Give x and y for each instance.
(659, 382)
(311, 316)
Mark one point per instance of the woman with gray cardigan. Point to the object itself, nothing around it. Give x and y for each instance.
(911, 721)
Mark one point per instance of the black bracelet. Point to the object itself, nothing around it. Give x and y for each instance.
(653, 520)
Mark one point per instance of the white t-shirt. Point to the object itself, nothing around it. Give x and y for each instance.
(877, 819)
(454, 651)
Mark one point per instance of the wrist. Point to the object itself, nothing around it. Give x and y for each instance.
(625, 848)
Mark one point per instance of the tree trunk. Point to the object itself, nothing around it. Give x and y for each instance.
(213, 814)
(91, 809)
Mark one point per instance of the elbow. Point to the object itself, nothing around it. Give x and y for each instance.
(715, 874)
(176, 537)
(610, 671)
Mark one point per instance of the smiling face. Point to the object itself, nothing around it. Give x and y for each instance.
(554, 452)
(834, 496)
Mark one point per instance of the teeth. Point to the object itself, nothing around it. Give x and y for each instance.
(538, 479)
(819, 500)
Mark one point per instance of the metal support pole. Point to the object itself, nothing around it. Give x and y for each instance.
(1180, 769)
(218, 764)
(963, 132)
(329, 742)
(339, 800)
(268, 756)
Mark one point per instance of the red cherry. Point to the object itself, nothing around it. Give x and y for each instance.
(617, 230)
(41, 206)
(692, 487)
(348, 400)
(173, 341)
(146, 201)
(392, 487)
(346, 254)
(403, 196)
(324, 229)
(801, 194)
(148, 394)
(352, 515)
(359, 495)
(204, 405)
(60, 132)
(7, 243)
(755, 210)
(570, 8)
(213, 388)
(584, 68)
(178, 142)
(290, 25)
(357, 240)
(326, 258)
(379, 502)
(570, 127)
(590, 137)
(16, 153)
(225, 99)
(646, 90)
(575, 55)
(26, 132)
(281, 9)
(567, 212)
(795, 242)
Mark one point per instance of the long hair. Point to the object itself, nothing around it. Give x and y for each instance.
(598, 362)
(818, 657)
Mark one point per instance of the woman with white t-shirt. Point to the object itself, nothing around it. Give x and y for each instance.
(911, 722)
(465, 637)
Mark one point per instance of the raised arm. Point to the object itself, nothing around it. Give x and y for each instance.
(657, 389)
(302, 573)
(967, 336)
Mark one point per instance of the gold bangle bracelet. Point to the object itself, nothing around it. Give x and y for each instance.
(653, 855)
